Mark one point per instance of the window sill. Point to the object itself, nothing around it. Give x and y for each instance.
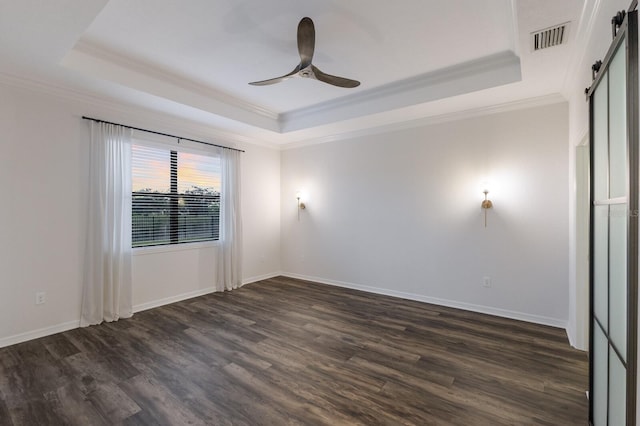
(139, 251)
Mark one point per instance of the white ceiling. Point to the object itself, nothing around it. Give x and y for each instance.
(194, 58)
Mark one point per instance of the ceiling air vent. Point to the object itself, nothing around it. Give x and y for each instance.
(549, 37)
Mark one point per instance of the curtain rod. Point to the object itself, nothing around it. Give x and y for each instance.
(161, 134)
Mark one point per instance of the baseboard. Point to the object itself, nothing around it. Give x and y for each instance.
(41, 332)
(261, 277)
(554, 322)
(571, 334)
(172, 299)
(70, 325)
(521, 316)
(196, 293)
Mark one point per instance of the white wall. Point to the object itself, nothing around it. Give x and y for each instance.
(43, 172)
(43, 177)
(399, 213)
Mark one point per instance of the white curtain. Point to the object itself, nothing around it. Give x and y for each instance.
(230, 245)
(107, 293)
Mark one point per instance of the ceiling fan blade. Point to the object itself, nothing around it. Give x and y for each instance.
(306, 41)
(332, 79)
(277, 79)
(306, 47)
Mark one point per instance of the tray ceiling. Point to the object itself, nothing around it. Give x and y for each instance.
(196, 57)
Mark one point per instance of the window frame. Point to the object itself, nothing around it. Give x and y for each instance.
(171, 147)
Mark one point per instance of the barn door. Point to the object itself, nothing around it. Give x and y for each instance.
(614, 231)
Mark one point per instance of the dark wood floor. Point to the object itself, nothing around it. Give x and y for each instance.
(284, 351)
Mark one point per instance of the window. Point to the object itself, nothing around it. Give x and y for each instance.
(175, 196)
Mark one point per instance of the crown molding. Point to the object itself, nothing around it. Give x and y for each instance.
(550, 99)
(90, 58)
(110, 109)
(494, 70)
(491, 71)
(96, 51)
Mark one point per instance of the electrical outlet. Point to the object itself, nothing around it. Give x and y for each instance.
(41, 297)
(486, 282)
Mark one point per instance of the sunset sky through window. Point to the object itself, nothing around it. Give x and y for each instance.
(151, 170)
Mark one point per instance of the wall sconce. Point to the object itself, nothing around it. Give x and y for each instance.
(301, 205)
(486, 205)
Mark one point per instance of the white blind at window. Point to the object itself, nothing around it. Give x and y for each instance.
(175, 196)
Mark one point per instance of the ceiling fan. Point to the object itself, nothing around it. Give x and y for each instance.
(306, 46)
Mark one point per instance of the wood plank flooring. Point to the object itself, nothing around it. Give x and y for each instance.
(290, 352)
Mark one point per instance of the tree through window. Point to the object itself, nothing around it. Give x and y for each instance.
(175, 196)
